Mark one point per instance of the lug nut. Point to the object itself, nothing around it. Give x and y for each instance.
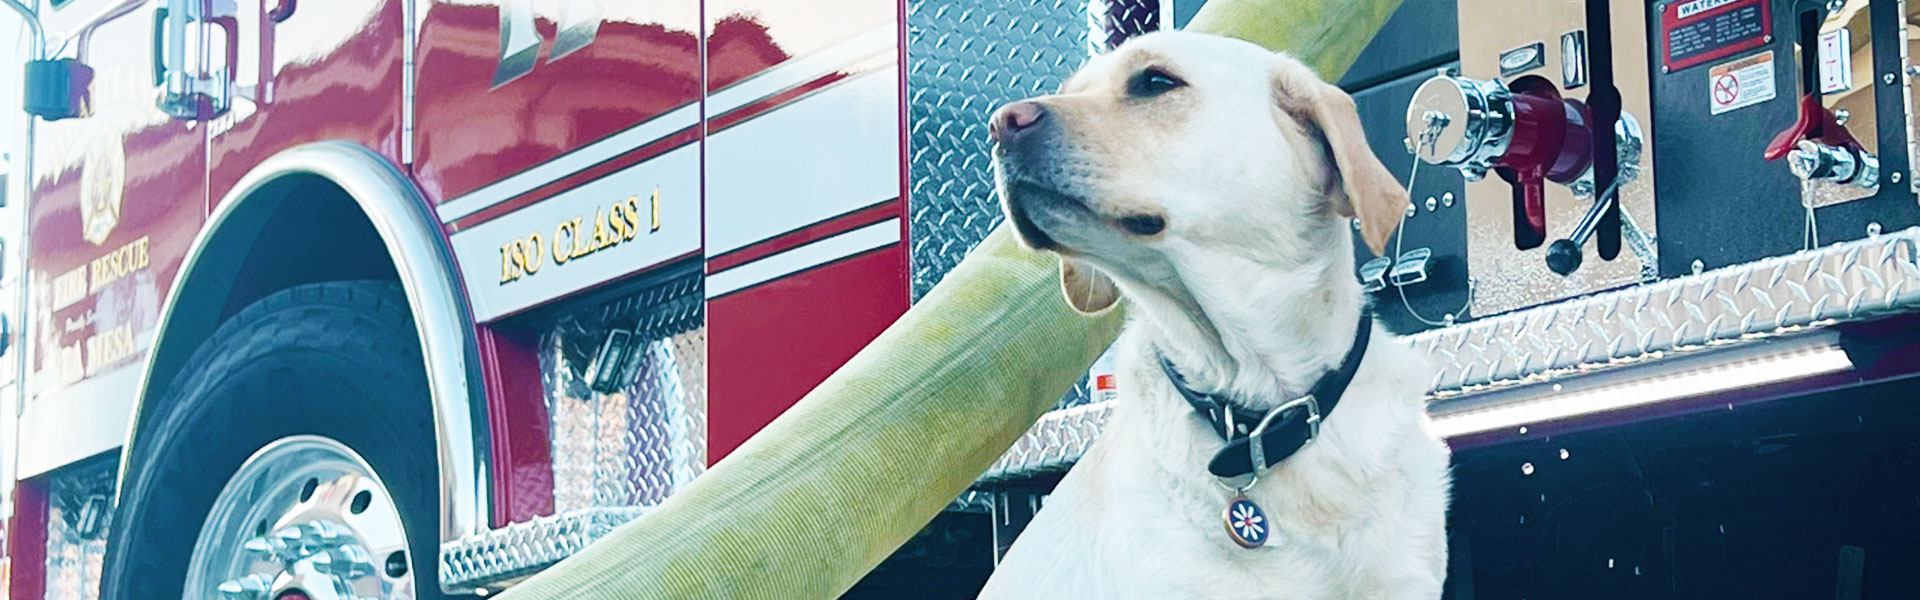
(345, 562)
(291, 542)
(251, 587)
(325, 534)
(271, 547)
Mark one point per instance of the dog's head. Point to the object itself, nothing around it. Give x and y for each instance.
(1184, 151)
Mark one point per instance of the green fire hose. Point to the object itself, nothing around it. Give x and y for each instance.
(806, 507)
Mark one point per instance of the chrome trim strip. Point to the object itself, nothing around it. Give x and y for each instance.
(804, 257)
(1656, 323)
(570, 163)
(408, 77)
(802, 70)
(753, 89)
(424, 265)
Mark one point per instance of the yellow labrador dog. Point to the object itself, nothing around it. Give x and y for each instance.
(1269, 442)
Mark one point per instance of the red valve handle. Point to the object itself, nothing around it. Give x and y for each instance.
(1815, 123)
(1549, 141)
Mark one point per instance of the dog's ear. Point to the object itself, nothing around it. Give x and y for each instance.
(1088, 290)
(1368, 191)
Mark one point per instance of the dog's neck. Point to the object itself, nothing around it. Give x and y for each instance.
(1257, 334)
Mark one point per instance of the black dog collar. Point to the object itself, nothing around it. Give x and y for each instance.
(1258, 441)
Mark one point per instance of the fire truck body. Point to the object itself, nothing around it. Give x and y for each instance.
(627, 235)
(506, 164)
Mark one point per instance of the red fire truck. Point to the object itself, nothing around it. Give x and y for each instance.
(412, 298)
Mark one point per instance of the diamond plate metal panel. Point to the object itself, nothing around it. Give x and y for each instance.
(1841, 282)
(1799, 292)
(1053, 444)
(636, 443)
(79, 512)
(521, 549)
(1111, 22)
(963, 60)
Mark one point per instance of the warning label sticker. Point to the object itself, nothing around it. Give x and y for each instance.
(1740, 83)
(1703, 31)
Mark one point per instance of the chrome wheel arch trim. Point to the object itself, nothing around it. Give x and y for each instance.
(424, 265)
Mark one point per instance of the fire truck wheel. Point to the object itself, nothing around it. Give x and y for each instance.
(293, 458)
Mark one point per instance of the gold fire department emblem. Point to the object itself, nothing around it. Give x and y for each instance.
(103, 180)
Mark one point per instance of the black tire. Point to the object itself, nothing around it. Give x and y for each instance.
(336, 359)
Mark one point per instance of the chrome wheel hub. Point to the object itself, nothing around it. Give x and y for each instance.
(305, 518)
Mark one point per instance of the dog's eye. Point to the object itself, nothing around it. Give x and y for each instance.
(1152, 82)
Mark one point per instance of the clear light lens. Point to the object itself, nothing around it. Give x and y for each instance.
(1797, 362)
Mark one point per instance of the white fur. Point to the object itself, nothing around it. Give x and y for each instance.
(1250, 292)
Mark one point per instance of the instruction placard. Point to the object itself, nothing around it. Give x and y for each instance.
(1836, 61)
(1702, 31)
(1741, 83)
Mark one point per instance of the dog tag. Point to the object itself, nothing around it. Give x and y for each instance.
(1246, 523)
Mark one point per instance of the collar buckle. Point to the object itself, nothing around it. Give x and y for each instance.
(1256, 446)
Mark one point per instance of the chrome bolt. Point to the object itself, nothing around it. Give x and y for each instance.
(1447, 199)
(290, 540)
(1895, 177)
(1873, 229)
(326, 534)
(1841, 116)
(251, 587)
(1411, 209)
(347, 562)
(271, 548)
(1582, 188)
(1432, 203)
(1699, 267)
(1887, 79)
(1913, 70)
(1836, 5)
(1356, 224)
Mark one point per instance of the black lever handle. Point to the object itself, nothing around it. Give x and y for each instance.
(1564, 255)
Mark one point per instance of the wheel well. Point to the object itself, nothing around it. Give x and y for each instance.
(331, 211)
(295, 230)
(318, 234)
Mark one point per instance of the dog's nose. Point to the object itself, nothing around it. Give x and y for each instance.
(1010, 120)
